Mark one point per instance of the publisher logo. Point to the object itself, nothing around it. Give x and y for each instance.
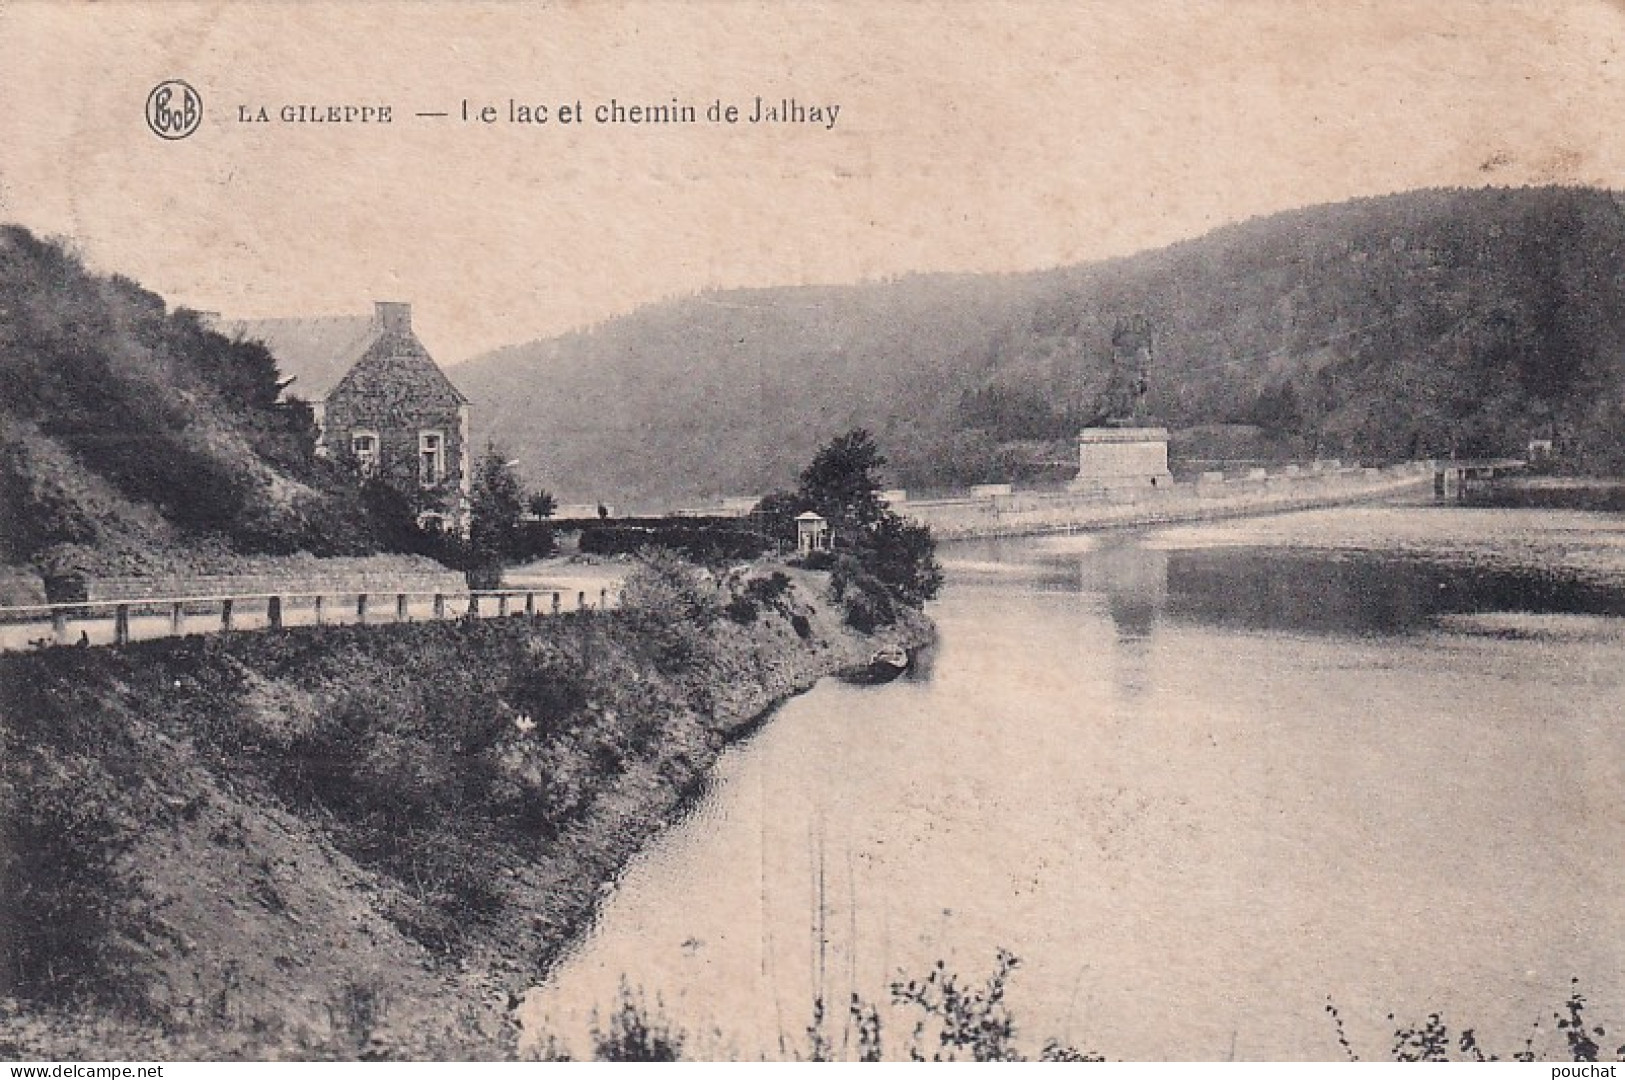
(174, 110)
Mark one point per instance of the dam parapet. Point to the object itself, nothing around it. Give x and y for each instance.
(1209, 495)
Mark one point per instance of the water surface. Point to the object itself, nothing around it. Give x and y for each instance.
(1198, 780)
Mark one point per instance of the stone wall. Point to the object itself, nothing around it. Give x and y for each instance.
(263, 584)
(397, 392)
(1213, 496)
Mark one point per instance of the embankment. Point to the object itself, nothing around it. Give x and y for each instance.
(349, 841)
(1213, 496)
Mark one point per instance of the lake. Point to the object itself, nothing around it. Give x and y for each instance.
(1199, 779)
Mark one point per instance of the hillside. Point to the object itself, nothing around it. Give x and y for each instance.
(134, 439)
(346, 841)
(1375, 329)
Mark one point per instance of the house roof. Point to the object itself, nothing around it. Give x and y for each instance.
(391, 355)
(319, 352)
(315, 352)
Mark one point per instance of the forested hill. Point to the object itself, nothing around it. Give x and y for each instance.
(135, 439)
(1373, 329)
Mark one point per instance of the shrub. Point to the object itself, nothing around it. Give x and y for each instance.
(867, 603)
(709, 544)
(967, 1020)
(770, 589)
(665, 588)
(742, 610)
(636, 1033)
(59, 944)
(902, 556)
(758, 593)
(673, 606)
(817, 560)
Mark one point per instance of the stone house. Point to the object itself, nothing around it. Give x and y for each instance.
(380, 401)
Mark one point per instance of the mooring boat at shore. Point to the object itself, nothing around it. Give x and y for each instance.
(885, 664)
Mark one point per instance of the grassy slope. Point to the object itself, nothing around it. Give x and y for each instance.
(134, 439)
(1378, 328)
(341, 841)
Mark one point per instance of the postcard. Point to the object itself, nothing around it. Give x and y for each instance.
(721, 530)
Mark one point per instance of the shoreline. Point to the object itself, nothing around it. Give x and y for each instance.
(342, 842)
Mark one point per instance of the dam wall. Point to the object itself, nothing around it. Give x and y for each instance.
(1213, 495)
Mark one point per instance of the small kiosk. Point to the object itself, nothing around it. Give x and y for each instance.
(812, 534)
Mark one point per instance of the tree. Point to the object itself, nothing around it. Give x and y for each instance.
(542, 504)
(902, 555)
(496, 504)
(843, 483)
(775, 515)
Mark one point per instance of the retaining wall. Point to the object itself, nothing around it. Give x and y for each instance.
(291, 581)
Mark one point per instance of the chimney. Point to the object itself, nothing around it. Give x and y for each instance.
(393, 318)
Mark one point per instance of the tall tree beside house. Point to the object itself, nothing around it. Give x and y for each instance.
(496, 508)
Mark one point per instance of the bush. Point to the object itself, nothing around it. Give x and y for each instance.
(670, 602)
(60, 945)
(758, 593)
(769, 590)
(817, 560)
(535, 541)
(902, 556)
(867, 602)
(708, 544)
(742, 610)
(636, 1033)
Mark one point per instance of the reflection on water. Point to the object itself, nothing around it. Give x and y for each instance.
(1198, 780)
(1365, 593)
(1133, 579)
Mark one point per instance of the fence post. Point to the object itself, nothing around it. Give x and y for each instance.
(400, 607)
(59, 624)
(361, 608)
(439, 606)
(273, 612)
(502, 603)
(121, 624)
(555, 603)
(321, 612)
(530, 603)
(225, 614)
(581, 600)
(177, 618)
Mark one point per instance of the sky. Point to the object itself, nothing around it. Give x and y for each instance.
(970, 137)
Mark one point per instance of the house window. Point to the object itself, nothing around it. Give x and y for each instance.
(364, 447)
(431, 458)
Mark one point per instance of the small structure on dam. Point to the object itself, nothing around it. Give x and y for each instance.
(1125, 449)
(1114, 457)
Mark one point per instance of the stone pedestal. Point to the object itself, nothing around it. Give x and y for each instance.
(1119, 457)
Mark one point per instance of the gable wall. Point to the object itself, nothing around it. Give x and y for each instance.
(398, 397)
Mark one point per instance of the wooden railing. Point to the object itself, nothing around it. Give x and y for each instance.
(118, 622)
